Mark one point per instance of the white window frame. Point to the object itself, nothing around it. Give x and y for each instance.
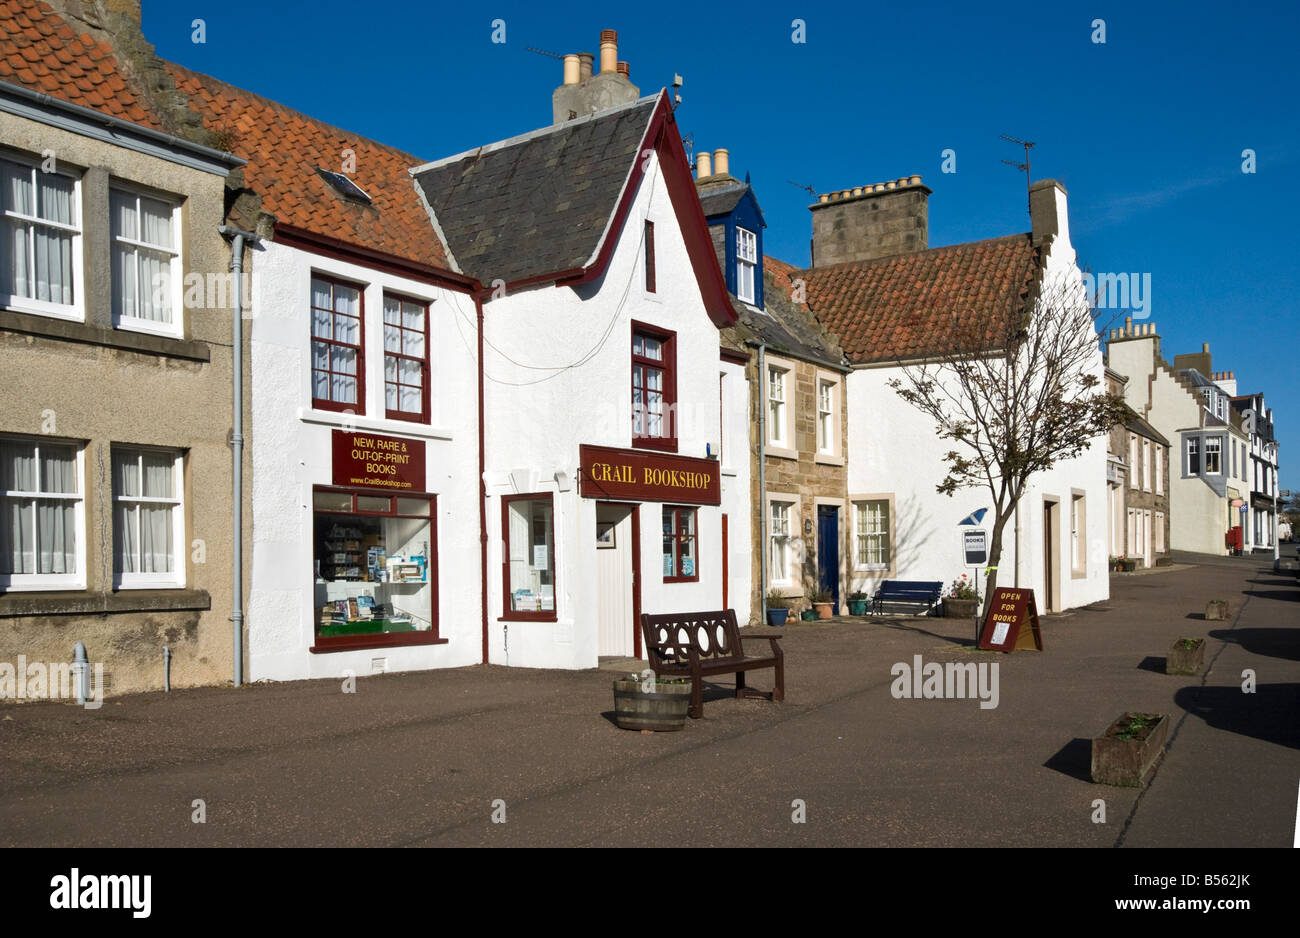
(860, 505)
(175, 578)
(1147, 446)
(1158, 453)
(778, 417)
(746, 264)
(76, 310)
(1193, 449)
(175, 273)
(1133, 450)
(829, 447)
(1158, 533)
(1217, 441)
(790, 534)
(1078, 534)
(21, 582)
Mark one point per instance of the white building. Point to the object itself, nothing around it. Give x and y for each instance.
(888, 299)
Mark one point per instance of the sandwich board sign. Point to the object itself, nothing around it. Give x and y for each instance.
(975, 547)
(1012, 622)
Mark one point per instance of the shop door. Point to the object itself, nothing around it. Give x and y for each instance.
(828, 551)
(616, 622)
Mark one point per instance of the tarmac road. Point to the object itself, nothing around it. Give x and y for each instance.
(420, 759)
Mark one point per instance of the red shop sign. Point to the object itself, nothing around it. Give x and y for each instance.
(369, 460)
(1012, 622)
(648, 477)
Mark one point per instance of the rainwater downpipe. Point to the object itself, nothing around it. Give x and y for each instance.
(762, 476)
(238, 240)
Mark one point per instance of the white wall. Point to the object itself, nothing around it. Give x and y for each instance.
(539, 415)
(291, 452)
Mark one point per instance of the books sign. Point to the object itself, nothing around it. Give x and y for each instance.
(369, 460)
(975, 547)
(1012, 622)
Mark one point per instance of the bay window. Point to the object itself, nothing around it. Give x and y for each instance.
(528, 562)
(40, 240)
(1213, 450)
(146, 261)
(42, 521)
(337, 357)
(148, 518)
(1193, 456)
(680, 556)
(406, 359)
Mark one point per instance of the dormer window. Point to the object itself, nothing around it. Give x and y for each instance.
(746, 260)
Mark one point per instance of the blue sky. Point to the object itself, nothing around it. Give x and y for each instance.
(1146, 131)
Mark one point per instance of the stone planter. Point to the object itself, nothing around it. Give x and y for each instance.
(1125, 762)
(662, 709)
(1216, 610)
(1183, 660)
(824, 610)
(959, 608)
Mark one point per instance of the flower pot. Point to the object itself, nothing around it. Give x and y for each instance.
(777, 616)
(1127, 566)
(809, 615)
(1182, 660)
(824, 610)
(1125, 762)
(858, 607)
(662, 709)
(959, 608)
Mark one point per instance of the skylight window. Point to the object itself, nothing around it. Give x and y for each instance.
(345, 187)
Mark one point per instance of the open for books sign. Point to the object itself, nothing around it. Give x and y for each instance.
(1012, 622)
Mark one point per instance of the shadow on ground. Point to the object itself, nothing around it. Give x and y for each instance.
(1074, 759)
(1272, 713)
(1273, 643)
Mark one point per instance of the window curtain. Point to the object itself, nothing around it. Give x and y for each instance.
(16, 196)
(53, 248)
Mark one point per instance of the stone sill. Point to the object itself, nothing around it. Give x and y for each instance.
(825, 460)
(15, 605)
(142, 342)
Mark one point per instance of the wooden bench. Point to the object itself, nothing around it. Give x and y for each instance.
(911, 592)
(696, 644)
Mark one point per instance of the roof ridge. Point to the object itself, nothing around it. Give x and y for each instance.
(928, 251)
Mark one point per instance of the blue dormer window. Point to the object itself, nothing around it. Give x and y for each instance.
(746, 261)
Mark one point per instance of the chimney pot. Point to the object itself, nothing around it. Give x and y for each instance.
(823, 197)
(608, 50)
(585, 60)
(703, 165)
(625, 70)
(571, 69)
(1205, 348)
(721, 163)
(914, 180)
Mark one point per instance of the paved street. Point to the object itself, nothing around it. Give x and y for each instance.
(418, 759)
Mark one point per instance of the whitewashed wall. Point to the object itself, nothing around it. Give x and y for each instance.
(291, 452)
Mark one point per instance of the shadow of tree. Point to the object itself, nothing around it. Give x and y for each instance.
(1273, 643)
(1272, 713)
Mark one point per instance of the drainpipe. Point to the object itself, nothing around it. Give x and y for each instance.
(167, 669)
(762, 478)
(1277, 547)
(482, 486)
(81, 668)
(238, 239)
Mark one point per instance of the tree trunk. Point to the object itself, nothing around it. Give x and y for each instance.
(995, 554)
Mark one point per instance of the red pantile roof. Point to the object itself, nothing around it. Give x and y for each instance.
(913, 305)
(283, 149)
(43, 53)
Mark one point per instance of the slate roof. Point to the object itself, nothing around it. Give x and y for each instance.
(912, 305)
(539, 203)
(720, 198)
(784, 326)
(284, 148)
(40, 51)
(1134, 423)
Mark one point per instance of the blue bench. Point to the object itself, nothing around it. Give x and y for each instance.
(913, 592)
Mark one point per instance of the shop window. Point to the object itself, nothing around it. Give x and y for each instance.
(681, 557)
(406, 359)
(42, 525)
(376, 569)
(337, 359)
(528, 568)
(148, 518)
(654, 388)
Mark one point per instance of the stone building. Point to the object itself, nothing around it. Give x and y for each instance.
(1137, 476)
(116, 349)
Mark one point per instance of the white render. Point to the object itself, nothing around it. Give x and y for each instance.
(580, 337)
(894, 453)
(291, 452)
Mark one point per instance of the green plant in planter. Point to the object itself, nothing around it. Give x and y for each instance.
(819, 595)
(963, 588)
(1189, 644)
(1136, 724)
(858, 603)
(776, 600)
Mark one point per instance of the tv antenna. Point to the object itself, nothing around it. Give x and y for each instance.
(1023, 167)
(677, 90)
(544, 52)
(809, 189)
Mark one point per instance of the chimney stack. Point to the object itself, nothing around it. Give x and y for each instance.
(1048, 216)
(703, 165)
(1198, 360)
(870, 221)
(721, 163)
(582, 93)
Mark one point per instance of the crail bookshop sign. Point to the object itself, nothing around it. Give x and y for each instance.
(648, 477)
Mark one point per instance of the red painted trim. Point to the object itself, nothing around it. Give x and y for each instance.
(668, 366)
(636, 580)
(724, 561)
(649, 256)
(359, 407)
(732, 356)
(677, 543)
(423, 415)
(380, 640)
(482, 484)
(507, 614)
(305, 240)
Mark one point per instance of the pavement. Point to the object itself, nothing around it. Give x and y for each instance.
(490, 756)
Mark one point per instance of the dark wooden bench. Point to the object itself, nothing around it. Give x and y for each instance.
(910, 592)
(696, 644)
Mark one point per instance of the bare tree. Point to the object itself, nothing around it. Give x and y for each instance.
(1016, 392)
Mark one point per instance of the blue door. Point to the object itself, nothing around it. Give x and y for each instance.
(828, 551)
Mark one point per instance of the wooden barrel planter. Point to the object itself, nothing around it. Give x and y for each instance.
(662, 709)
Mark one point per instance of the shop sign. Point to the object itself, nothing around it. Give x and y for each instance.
(368, 460)
(1012, 622)
(648, 477)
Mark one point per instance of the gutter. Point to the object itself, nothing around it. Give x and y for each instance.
(482, 482)
(762, 475)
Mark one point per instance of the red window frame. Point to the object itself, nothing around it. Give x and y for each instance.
(667, 441)
(650, 256)
(679, 536)
(325, 403)
(421, 416)
(513, 615)
(384, 639)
